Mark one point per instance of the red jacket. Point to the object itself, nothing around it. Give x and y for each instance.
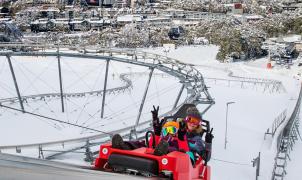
(179, 145)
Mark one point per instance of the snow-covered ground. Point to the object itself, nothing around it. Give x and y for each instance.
(40, 75)
(249, 117)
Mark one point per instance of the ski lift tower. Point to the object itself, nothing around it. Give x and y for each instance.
(269, 61)
(268, 46)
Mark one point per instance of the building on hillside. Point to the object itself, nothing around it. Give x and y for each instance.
(127, 19)
(41, 1)
(63, 24)
(39, 12)
(237, 8)
(290, 8)
(158, 21)
(283, 49)
(252, 18)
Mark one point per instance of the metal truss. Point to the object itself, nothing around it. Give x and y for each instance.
(286, 141)
(189, 77)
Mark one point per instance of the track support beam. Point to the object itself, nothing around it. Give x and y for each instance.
(105, 88)
(178, 96)
(60, 79)
(15, 82)
(142, 103)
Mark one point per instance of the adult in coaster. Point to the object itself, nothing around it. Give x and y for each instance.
(193, 129)
(190, 131)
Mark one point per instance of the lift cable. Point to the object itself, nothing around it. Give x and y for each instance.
(7, 89)
(87, 98)
(79, 106)
(231, 162)
(33, 74)
(36, 77)
(130, 117)
(4, 86)
(2, 67)
(77, 74)
(81, 77)
(157, 92)
(54, 125)
(52, 119)
(152, 96)
(51, 110)
(31, 84)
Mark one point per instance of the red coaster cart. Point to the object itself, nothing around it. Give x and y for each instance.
(174, 165)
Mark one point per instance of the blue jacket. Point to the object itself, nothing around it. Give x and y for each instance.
(199, 146)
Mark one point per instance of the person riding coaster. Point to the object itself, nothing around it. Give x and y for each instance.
(170, 139)
(165, 138)
(170, 129)
(171, 135)
(194, 132)
(168, 153)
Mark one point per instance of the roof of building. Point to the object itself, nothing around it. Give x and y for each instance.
(129, 18)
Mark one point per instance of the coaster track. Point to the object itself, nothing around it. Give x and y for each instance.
(191, 78)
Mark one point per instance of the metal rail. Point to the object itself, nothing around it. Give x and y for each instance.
(276, 124)
(286, 140)
(269, 84)
(186, 73)
(123, 77)
(276, 85)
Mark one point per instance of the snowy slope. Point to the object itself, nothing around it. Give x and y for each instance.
(37, 76)
(249, 118)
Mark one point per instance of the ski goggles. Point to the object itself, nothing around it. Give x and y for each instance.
(193, 120)
(169, 130)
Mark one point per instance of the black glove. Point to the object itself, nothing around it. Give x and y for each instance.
(209, 136)
(182, 131)
(157, 126)
(155, 113)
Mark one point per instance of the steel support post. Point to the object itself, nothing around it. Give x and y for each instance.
(143, 100)
(226, 124)
(105, 87)
(258, 166)
(88, 153)
(41, 155)
(15, 82)
(178, 96)
(226, 127)
(60, 79)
